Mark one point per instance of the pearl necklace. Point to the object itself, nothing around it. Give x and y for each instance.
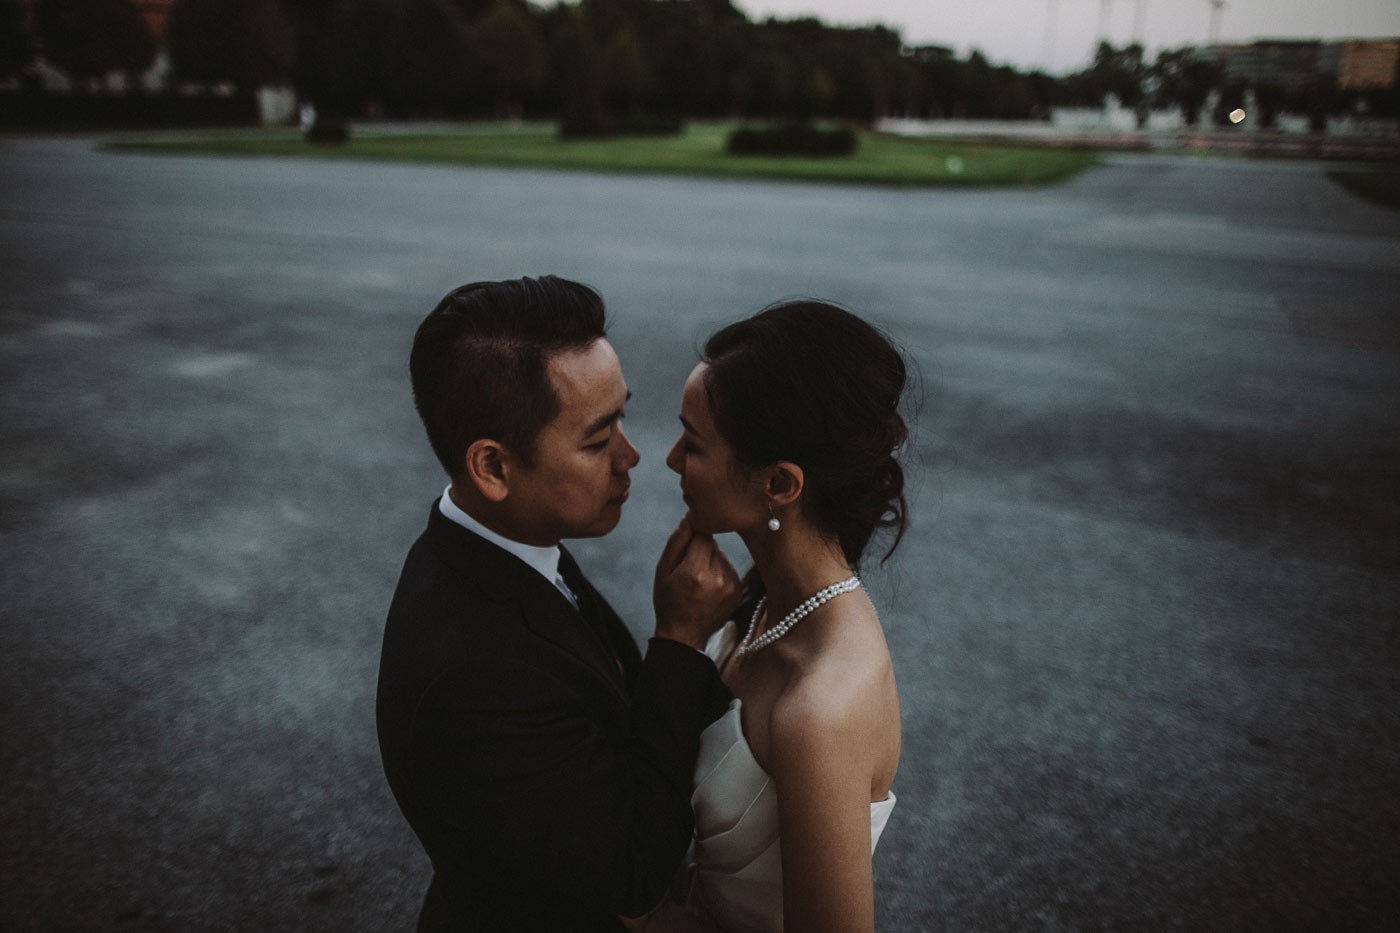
(750, 644)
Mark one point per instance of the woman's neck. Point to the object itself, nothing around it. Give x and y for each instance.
(795, 563)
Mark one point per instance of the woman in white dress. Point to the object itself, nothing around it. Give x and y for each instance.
(791, 427)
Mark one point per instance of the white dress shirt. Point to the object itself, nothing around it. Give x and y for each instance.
(543, 559)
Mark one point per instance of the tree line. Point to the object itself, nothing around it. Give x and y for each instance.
(595, 61)
(1190, 79)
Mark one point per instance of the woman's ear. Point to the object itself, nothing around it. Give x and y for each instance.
(784, 483)
(486, 471)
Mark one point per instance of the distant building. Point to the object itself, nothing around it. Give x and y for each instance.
(1329, 59)
(1369, 64)
(1356, 64)
(1285, 63)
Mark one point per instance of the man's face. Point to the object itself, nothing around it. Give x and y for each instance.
(578, 481)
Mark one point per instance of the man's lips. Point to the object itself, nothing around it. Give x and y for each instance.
(626, 491)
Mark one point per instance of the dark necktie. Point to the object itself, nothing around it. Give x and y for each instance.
(588, 606)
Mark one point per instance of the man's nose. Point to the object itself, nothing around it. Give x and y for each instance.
(628, 456)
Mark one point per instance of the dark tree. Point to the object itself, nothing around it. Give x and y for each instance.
(511, 51)
(729, 87)
(317, 72)
(1270, 99)
(1185, 79)
(247, 43)
(625, 73)
(1120, 72)
(864, 67)
(16, 44)
(1124, 74)
(819, 91)
(472, 10)
(574, 67)
(773, 81)
(90, 39)
(942, 90)
(719, 13)
(978, 86)
(683, 69)
(361, 34)
(1043, 94)
(1231, 98)
(1320, 100)
(1377, 101)
(433, 66)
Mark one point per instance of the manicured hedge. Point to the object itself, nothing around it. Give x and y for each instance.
(792, 139)
(328, 130)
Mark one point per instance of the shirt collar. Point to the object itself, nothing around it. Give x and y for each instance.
(543, 559)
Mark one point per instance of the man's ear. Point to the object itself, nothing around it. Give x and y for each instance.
(785, 482)
(486, 470)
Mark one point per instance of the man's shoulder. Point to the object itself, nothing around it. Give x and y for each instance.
(445, 630)
(455, 579)
(447, 556)
(431, 578)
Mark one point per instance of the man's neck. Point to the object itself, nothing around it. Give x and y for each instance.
(491, 519)
(545, 560)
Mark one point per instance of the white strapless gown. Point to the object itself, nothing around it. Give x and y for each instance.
(733, 877)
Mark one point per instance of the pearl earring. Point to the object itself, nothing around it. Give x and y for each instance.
(773, 523)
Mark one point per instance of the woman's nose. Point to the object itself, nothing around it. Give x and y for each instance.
(673, 457)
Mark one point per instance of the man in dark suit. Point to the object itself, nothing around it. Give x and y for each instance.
(544, 764)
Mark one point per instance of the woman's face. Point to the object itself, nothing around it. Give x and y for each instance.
(721, 494)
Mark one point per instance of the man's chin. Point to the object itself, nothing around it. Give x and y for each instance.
(604, 524)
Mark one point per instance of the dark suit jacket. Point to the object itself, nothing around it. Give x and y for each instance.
(550, 788)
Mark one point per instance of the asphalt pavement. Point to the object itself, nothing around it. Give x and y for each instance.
(1146, 623)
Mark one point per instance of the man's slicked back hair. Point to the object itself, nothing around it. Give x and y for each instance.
(480, 360)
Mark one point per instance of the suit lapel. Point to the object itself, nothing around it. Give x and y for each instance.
(543, 608)
(551, 616)
(597, 613)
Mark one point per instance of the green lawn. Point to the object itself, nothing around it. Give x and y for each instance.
(882, 160)
(1379, 186)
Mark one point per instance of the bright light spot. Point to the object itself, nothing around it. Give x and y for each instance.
(1237, 115)
(954, 165)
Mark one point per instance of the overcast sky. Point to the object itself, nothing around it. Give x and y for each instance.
(1019, 32)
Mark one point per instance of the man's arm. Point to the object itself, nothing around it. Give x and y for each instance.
(593, 816)
(569, 795)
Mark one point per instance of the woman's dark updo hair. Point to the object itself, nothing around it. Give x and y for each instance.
(812, 384)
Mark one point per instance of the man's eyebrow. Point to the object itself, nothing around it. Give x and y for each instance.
(688, 426)
(601, 422)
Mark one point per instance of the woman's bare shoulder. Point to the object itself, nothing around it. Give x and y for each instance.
(841, 702)
(839, 689)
